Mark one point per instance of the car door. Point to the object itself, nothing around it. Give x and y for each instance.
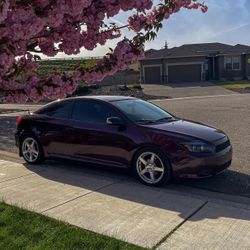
(93, 140)
(53, 123)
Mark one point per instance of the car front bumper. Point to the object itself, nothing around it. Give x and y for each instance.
(204, 166)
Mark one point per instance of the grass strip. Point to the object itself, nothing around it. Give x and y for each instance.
(22, 229)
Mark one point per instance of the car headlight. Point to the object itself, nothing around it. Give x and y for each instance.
(199, 147)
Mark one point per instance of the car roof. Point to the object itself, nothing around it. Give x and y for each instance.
(106, 98)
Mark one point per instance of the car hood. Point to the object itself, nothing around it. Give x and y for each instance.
(189, 128)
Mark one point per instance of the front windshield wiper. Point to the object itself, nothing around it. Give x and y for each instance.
(164, 119)
(144, 121)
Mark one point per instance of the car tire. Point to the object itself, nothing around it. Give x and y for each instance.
(31, 150)
(152, 167)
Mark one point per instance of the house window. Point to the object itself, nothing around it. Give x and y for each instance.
(236, 62)
(232, 63)
(228, 63)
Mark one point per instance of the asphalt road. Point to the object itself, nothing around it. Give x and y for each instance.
(231, 114)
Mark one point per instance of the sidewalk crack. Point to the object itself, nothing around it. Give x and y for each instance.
(179, 225)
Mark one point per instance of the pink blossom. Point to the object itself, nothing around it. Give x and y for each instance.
(4, 7)
(67, 26)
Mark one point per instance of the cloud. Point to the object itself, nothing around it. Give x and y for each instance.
(227, 21)
(237, 27)
(116, 20)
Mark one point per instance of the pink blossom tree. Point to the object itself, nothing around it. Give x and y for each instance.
(47, 27)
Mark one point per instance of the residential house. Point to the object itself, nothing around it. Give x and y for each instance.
(196, 62)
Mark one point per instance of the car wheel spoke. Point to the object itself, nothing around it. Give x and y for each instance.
(25, 151)
(35, 151)
(143, 161)
(152, 176)
(32, 144)
(144, 171)
(157, 169)
(35, 154)
(152, 159)
(31, 156)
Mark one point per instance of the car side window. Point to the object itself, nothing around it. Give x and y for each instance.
(92, 111)
(59, 110)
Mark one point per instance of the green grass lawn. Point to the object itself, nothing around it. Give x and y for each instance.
(21, 229)
(234, 84)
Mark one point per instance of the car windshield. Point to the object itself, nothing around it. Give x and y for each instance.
(142, 112)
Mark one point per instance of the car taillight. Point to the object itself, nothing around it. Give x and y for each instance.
(18, 122)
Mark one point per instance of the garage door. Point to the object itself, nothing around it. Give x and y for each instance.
(184, 73)
(152, 75)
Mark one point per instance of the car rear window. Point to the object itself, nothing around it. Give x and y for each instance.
(60, 109)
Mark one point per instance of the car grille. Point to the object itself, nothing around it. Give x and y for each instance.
(222, 146)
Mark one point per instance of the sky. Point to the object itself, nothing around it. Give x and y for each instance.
(227, 21)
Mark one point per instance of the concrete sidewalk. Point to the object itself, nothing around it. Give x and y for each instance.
(26, 106)
(114, 204)
(13, 110)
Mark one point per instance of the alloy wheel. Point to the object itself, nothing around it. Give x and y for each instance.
(30, 149)
(150, 167)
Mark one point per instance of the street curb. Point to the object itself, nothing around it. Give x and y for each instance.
(195, 97)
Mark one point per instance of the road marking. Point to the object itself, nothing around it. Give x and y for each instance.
(195, 97)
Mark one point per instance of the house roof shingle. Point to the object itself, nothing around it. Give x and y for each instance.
(237, 49)
(202, 49)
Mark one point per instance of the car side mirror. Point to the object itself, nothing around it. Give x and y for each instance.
(115, 121)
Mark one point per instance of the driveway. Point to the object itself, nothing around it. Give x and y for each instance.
(185, 89)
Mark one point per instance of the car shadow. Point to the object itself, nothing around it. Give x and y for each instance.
(229, 182)
(124, 186)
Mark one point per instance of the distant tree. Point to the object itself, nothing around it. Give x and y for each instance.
(47, 27)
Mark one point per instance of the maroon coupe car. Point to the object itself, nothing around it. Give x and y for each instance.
(123, 132)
